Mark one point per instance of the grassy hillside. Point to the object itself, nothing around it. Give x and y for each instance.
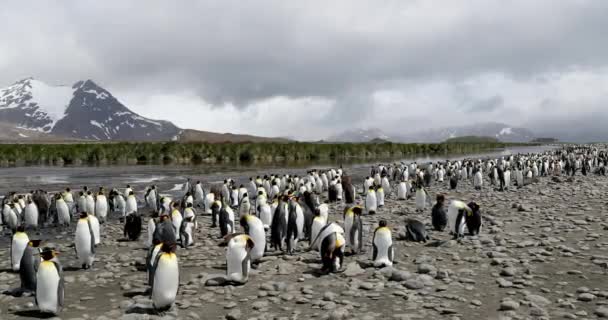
(173, 152)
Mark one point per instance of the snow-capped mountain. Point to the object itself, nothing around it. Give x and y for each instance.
(360, 135)
(82, 111)
(501, 131)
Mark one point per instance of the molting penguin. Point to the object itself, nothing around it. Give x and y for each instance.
(49, 283)
(165, 278)
(238, 258)
(382, 242)
(132, 229)
(473, 219)
(439, 217)
(84, 241)
(254, 227)
(19, 243)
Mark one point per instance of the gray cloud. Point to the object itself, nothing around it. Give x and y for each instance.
(241, 53)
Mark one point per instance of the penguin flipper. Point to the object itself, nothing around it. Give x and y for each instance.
(60, 285)
(390, 253)
(374, 252)
(153, 273)
(92, 237)
(246, 262)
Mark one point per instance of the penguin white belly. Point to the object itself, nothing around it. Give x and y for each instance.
(121, 205)
(18, 245)
(101, 208)
(176, 219)
(166, 281)
(209, 199)
(47, 285)
(131, 204)
(63, 214)
(452, 214)
(90, 204)
(82, 242)
(324, 233)
(230, 220)
(402, 191)
(317, 225)
(420, 199)
(478, 182)
(258, 235)
(371, 203)
(324, 211)
(234, 262)
(300, 222)
(383, 242)
(188, 230)
(266, 216)
(31, 215)
(151, 200)
(96, 229)
(348, 225)
(151, 229)
(380, 197)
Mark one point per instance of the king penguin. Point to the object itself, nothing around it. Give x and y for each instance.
(382, 246)
(353, 228)
(176, 220)
(101, 207)
(456, 217)
(238, 258)
(165, 278)
(30, 215)
(332, 252)
(63, 212)
(19, 242)
(29, 264)
(318, 222)
(254, 227)
(371, 201)
(49, 283)
(84, 241)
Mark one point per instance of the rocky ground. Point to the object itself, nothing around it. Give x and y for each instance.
(541, 255)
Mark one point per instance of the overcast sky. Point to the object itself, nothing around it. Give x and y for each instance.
(307, 69)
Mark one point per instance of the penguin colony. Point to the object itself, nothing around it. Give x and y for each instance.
(269, 215)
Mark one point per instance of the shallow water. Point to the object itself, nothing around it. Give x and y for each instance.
(170, 177)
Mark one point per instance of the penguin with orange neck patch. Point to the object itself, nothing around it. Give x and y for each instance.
(49, 283)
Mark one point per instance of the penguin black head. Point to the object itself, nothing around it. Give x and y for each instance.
(48, 254)
(163, 217)
(21, 228)
(128, 186)
(131, 193)
(57, 196)
(245, 195)
(81, 193)
(189, 205)
(34, 243)
(382, 223)
(357, 210)
(67, 190)
(175, 205)
(89, 193)
(440, 198)
(83, 215)
(244, 224)
(260, 193)
(153, 187)
(168, 247)
(317, 212)
(85, 188)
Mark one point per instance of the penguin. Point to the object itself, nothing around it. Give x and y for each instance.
(353, 228)
(131, 203)
(186, 232)
(9, 216)
(339, 191)
(329, 228)
(402, 191)
(415, 231)
(456, 217)
(30, 215)
(478, 180)
(380, 196)
(473, 219)
(244, 206)
(199, 194)
(421, 198)
(265, 213)
(132, 228)
(453, 182)
(84, 241)
(101, 207)
(69, 199)
(382, 242)
(439, 217)
(386, 185)
(238, 258)
(226, 220)
(176, 220)
(347, 186)
(278, 229)
(63, 212)
(295, 226)
(151, 229)
(318, 222)
(164, 231)
(89, 202)
(332, 192)
(19, 242)
(49, 283)
(29, 264)
(371, 202)
(332, 252)
(151, 198)
(254, 227)
(120, 204)
(81, 202)
(189, 213)
(214, 208)
(165, 278)
(95, 226)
